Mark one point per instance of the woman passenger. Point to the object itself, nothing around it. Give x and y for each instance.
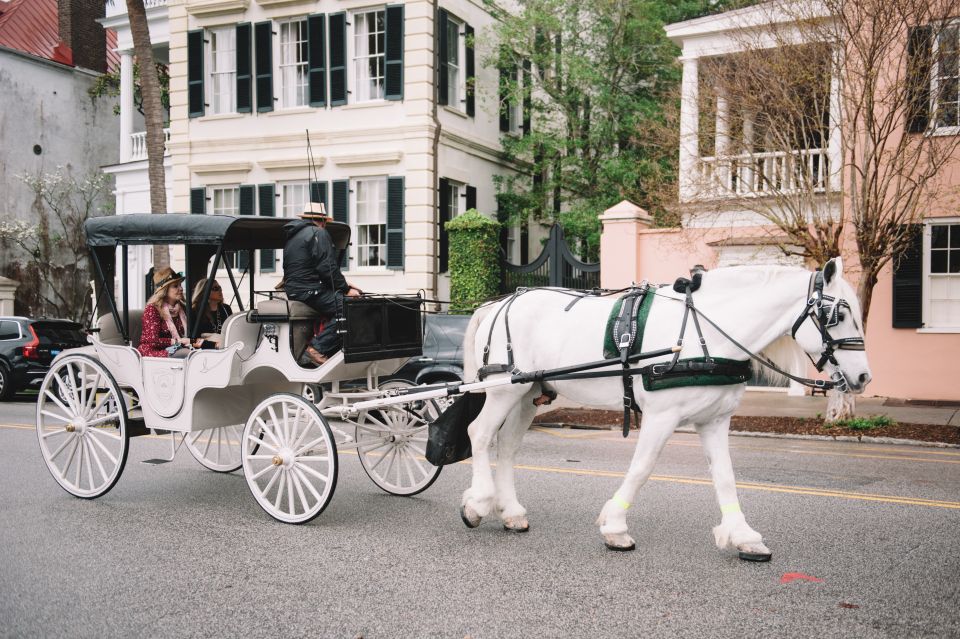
(164, 318)
(213, 316)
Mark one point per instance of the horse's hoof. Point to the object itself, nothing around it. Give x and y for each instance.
(469, 517)
(754, 552)
(621, 542)
(516, 525)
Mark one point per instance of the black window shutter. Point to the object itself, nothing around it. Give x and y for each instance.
(504, 99)
(195, 96)
(338, 59)
(318, 193)
(395, 222)
(443, 81)
(198, 200)
(266, 198)
(341, 211)
(527, 100)
(263, 37)
(394, 53)
(471, 197)
(908, 283)
(244, 68)
(444, 248)
(919, 48)
(247, 195)
(471, 71)
(317, 65)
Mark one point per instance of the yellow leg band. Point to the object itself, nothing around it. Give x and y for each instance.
(620, 501)
(728, 509)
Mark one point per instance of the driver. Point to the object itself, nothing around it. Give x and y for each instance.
(312, 276)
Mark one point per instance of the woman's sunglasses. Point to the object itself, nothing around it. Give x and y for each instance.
(216, 287)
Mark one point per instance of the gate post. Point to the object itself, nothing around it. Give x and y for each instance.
(619, 244)
(556, 257)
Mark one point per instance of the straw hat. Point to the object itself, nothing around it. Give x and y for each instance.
(165, 277)
(315, 211)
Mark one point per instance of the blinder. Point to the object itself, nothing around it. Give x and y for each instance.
(824, 312)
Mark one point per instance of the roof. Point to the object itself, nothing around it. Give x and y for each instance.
(33, 27)
(236, 233)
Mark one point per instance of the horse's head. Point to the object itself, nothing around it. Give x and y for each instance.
(830, 329)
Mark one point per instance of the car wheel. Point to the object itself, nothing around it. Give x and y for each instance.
(6, 384)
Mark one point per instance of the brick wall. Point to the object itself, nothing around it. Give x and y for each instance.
(80, 31)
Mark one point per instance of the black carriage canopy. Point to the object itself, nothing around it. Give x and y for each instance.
(203, 236)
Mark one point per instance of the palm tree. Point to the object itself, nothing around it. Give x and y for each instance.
(153, 117)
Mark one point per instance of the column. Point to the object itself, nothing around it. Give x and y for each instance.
(689, 130)
(747, 174)
(126, 105)
(620, 244)
(834, 150)
(725, 166)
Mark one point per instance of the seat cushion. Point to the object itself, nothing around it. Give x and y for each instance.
(297, 310)
(109, 333)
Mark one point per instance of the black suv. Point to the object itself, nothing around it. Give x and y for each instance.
(27, 346)
(442, 359)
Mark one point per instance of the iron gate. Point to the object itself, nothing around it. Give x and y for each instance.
(555, 266)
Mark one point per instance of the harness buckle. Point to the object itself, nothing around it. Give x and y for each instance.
(625, 340)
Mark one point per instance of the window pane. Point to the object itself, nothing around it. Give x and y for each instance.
(938, 261)
(938, 236)
(954, 236)
(955, 261)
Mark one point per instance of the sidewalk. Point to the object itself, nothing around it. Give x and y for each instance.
(773, 404)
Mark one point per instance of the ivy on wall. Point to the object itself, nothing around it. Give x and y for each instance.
(474, 260)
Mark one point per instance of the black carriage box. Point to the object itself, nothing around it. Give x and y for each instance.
(381, 327)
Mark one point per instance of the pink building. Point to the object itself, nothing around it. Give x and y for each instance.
(913, 338)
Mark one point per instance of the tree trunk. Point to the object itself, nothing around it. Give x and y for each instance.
(153, 116)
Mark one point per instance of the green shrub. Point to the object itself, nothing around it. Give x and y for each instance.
(474, 260)
(864, 423)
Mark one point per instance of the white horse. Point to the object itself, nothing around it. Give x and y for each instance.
(757, 306)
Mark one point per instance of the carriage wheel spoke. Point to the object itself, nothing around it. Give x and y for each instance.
(68, 396)
(93, 393)
(113, 460)
(296, 482)
(55, 416)
(290, 494)
(59, 450)
(105, 418)
(276, 425)
(280, 487)
(260, 442)
(303, 478)
(56, 400)
(273, 478)
(92, 452)
(89, 462)
(319, 440)
(76, 481)
(324, 478)
(100, 431)
(266, 429)
(55, 431)
(300, 434)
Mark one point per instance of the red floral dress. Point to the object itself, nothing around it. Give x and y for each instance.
(155, 337)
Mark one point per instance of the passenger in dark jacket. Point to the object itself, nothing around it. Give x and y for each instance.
(312, 276)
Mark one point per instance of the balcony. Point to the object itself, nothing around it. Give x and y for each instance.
(764, 174)
(138, 144)
(119, 7)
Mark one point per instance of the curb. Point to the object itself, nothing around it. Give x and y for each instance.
(744, 433)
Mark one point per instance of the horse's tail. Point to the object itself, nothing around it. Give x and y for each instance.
(469, 343)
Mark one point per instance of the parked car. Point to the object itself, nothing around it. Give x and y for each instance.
(27, 346)
(442, 359)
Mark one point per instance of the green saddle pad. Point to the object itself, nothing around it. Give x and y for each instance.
(610, 348)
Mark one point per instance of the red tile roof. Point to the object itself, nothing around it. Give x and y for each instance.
(32, 26)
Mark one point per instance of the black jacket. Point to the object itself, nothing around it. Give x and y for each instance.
(310, 260)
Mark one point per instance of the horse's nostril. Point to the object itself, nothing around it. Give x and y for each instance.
(864, 378)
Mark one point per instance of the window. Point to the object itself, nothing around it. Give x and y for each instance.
(293, 198)
(293, 64)
(223, 70)
(226, 200)
(515, 107)
(372, 222)
(9, 330)
(454, 43)
(369, 61)
(942, 270)
(946, 78)
(455, 192)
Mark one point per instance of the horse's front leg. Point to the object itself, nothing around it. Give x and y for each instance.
(512, 513)
(478, 500)
(733, 530)
(654, 433)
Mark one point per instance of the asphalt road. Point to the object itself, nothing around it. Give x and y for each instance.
(176, 550)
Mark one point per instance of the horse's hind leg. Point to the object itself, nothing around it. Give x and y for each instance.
(513, 515)
(656, 430)
(733, 530)
(479, 498)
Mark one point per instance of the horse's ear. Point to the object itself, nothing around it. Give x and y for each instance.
(833, 269)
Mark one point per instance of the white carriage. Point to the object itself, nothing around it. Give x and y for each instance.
(242, 405)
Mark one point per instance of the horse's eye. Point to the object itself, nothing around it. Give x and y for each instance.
(841, 317)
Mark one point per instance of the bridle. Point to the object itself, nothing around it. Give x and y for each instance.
(824, 312)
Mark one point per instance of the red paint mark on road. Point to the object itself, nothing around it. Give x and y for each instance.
(789, 577)
(844, 604)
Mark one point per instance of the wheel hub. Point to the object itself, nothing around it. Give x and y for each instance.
(78, 425)
(284, 458)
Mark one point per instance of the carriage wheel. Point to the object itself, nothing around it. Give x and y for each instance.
(289, 458)
(217, 448)
(392, 443)
(82, 426)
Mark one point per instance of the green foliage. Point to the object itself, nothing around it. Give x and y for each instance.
(603, 95)
(864, 423)
(108, 86)
(474, 260)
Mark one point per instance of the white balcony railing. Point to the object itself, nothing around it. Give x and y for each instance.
(138, 145)
(764, 174)
(119, 7)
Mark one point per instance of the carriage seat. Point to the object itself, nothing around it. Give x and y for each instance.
(110, 335)
(278, 310)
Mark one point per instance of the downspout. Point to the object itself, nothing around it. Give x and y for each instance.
(436, 157)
